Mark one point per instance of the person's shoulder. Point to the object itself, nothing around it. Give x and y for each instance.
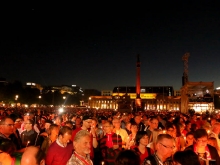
(211, 147)
(77, 130)
(189, 147)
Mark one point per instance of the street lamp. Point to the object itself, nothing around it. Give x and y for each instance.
(39, 100)
(64, 97)
(16, 100)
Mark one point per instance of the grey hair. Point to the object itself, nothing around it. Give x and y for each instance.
(81, 134)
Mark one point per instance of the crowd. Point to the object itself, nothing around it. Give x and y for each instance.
(108, 137)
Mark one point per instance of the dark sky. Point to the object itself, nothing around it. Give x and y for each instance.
(96, 47)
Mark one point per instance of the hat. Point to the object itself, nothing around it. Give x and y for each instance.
(86, 117)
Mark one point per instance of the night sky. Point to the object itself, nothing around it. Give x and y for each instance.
(96, 47)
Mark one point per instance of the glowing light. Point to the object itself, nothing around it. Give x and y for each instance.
(60, 110)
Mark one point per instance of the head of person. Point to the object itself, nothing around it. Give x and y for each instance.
(17, 121)
(108, 127)
(69, 124)
(58, 120)
(33, 156)
(201, 138)
(103, 119)
(127, 157)
(186, 157)
(116, 123)
(141, 138)
(87, 121)
(81, 142)
(65, 135)
(128, 126)
(190, 138)
(28, 124)
(94, 123)
(134, 127)
(154, 123)
(188, 125)
(47, 124)
(137, 119)
(6, 126)
(170, 129)
(53, 130)
(216, 128)
(73, 117)
(78, 120)
(7, 146)
(165, 145)
(27, 116)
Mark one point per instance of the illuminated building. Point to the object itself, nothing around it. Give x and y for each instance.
(153, 98)
(198, 96)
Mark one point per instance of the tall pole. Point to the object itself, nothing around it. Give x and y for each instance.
(138, 83)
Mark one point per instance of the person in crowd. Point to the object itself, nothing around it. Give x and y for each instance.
(7, 148)
(69, 124)
(194, 127)
(73, 119)
(213, 142)
(6, 127)
(29, 137)
(202, 149)
(155, 134)
(26, 117)
(137, 120)
(119, 131)
(128, 127)
(213, 121)
(52, 136)
(162, 122)
(99, 135)
(185, 158)
(130, 142)
(110, 144)
(33, 156)
(58, 121)
(153, 126)
(82, 149)
(189, 139)
(99, 131)
(60, 150)
(78, 123)
(15, 136)
(215, 132)
(86, 125)
(141, 142)
(187, 128)
(164, 149)
(127, 157)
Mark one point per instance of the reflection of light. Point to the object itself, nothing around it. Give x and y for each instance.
(60, 110)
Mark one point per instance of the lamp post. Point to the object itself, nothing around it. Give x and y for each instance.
(39, 100)
(16, 100)
(64, 98)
